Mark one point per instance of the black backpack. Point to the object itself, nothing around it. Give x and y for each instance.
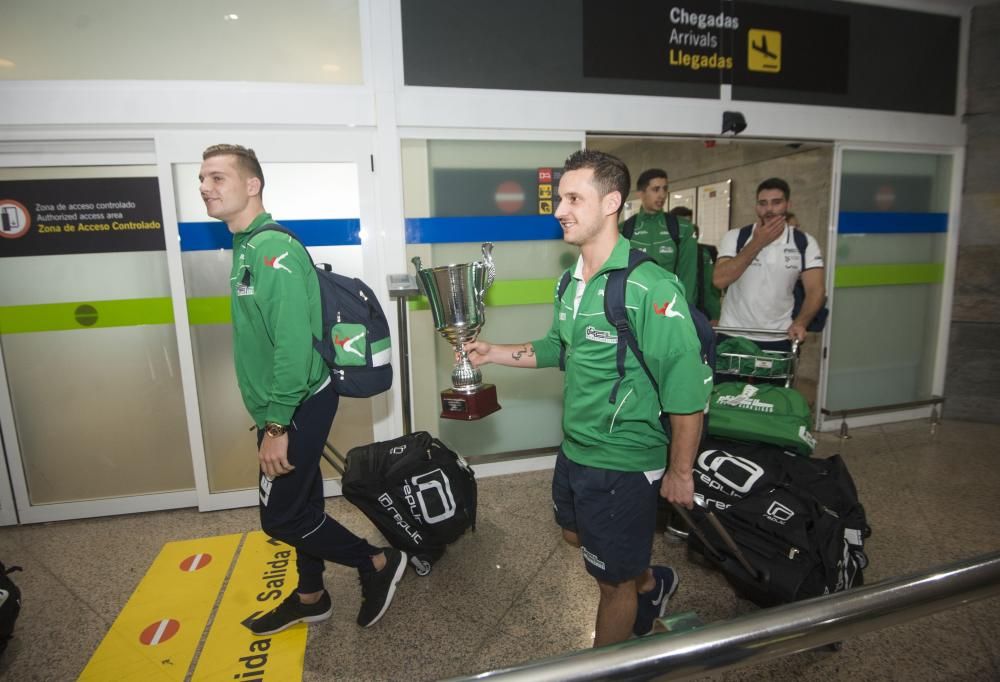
(420, 494)
(356, 344)
(615, 312)
(799, 292)
(707, 255)
(796, 521)
(10, 605)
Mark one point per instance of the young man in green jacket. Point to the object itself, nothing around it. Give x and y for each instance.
(613, 455)
(286, 387)
(648, 232)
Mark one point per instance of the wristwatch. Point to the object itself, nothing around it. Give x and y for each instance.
(274, 430)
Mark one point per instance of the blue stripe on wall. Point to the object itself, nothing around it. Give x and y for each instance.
(213, 234)
(482, 229)
(878, 222)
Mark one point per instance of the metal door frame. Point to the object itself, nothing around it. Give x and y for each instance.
(957, 153)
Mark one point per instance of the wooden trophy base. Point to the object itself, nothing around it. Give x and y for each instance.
(469, 406)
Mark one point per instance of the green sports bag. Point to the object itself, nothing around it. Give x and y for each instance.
(761, 413)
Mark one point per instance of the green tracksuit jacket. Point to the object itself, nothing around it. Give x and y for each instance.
(625, 435)
(651, 235)
(276, 315)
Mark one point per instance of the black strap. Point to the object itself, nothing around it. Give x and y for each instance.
(275, 227)
(700, 282)
(628, 228)
(802, 243)
(563, 284)
(617, 314)
(819, 319)
(674, 230)
(743, 237)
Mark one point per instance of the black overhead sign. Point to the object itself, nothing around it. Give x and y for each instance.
(817, 52)
(92, 215)
(705, 41)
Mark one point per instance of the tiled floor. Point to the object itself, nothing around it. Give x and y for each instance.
(513, 591)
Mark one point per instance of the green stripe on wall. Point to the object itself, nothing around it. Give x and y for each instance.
(507, 293)
(888, 275)
(209, 310)
(49, 317)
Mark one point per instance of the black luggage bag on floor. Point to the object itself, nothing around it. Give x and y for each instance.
(782, 527)
(420, 494)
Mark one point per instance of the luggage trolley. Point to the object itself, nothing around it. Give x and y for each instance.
(767, 364)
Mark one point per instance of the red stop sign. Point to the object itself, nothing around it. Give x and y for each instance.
(159, 632)
(509, 196)
(196, 562)
(885, 198)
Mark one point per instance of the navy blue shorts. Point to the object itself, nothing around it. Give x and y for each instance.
(612, 512)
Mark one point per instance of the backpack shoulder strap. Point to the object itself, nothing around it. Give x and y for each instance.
(564, 281)
(700, 281)
(628, 228)
(273, 227)
(674, 228)
(560, 290)
(617, 314)
(743, 237)
(802, 243)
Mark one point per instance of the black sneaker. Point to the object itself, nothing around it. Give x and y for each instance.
(378, 587)
(292, 611)
(653, 604)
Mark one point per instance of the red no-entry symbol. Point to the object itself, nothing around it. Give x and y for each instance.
(195, 562)
(159, 632)
(509, 196)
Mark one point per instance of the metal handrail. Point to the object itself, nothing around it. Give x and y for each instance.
(875, 409)
(738, 331)
(771, 633)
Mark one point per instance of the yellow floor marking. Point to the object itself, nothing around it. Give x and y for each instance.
(263, 576)
(157, 632)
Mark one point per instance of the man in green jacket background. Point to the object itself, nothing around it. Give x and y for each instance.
(613, 456)
(648, 231)
(286, 388)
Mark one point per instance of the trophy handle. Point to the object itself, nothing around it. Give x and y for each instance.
(491, 269)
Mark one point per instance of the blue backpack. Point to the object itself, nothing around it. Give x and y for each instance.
(355, 343)
(615, 312)
(799, 292)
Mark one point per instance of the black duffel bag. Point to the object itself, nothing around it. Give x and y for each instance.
(794, 524)
(10, 605)
(419, 493)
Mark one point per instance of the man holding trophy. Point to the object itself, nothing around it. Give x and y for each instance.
(608, 471)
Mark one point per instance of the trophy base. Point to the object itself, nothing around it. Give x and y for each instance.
(469, 406)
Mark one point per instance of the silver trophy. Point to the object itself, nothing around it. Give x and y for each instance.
(455, 294)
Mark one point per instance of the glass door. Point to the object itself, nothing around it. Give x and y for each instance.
(92, 410)
(320, 187)
(890, 284)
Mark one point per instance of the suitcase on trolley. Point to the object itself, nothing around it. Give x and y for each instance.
(779, 526)
(420, 494)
